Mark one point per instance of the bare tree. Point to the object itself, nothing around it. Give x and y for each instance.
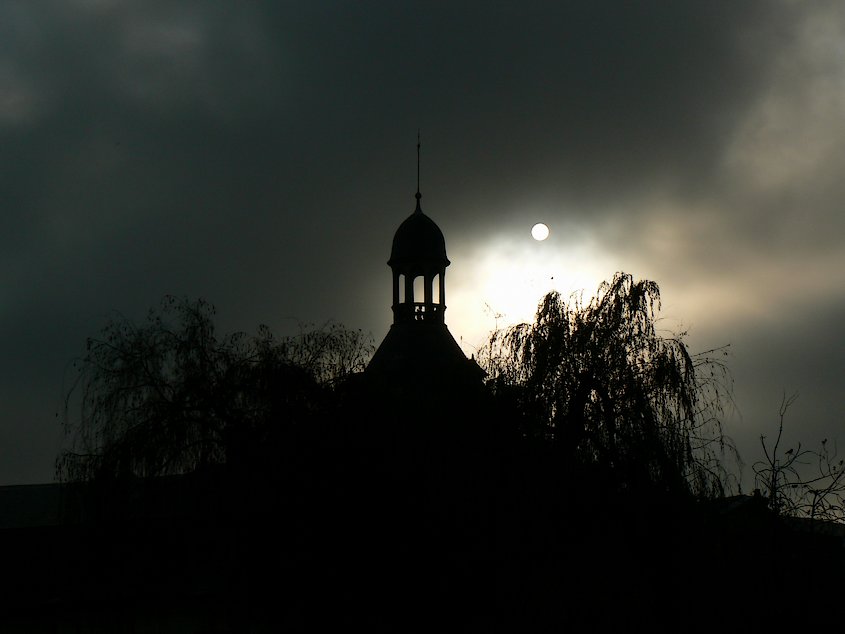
(801, 482)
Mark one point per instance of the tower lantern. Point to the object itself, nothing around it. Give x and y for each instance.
(418, 253)
(419, 353)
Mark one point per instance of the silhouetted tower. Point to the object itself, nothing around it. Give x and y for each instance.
(428, 416)
(419, 351)
(418, 253)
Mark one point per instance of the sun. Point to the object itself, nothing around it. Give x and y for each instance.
(540, 232)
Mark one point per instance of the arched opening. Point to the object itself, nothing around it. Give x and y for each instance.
(419, 289)
(435, 289)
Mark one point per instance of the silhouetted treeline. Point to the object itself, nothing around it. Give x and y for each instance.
(272, 484)
(172, 396)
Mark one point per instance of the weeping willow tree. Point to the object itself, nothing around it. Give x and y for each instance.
(171, 396)
(602, 385)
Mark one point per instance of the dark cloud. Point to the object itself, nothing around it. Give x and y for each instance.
(262, 154)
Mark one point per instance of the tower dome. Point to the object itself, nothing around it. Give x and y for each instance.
(418, 240)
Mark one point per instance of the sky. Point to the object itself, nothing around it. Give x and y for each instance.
(260, 155)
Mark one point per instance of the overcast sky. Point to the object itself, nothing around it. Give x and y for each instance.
(260, 155)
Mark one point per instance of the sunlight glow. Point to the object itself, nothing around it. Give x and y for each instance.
(503, 282)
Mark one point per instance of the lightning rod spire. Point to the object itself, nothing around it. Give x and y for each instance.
(418, 195)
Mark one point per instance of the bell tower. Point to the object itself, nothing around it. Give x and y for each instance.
(418, 260)
(419, 352)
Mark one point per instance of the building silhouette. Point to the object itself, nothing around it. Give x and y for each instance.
(419, 354)
(423, 411)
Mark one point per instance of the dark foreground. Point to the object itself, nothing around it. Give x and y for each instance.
(482, 545)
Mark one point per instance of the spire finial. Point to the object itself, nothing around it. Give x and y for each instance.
(418, 195)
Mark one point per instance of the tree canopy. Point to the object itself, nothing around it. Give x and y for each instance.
(171, 396)
(600, 383)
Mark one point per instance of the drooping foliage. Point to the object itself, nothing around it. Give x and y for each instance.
(171, 396)
(601, 384)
